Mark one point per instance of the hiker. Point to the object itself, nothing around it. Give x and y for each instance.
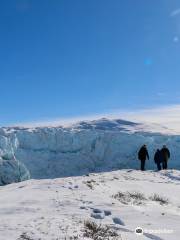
(165, 156)
(142, 155)
(158, 159)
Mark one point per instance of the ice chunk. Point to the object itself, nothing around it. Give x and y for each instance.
(12, 171)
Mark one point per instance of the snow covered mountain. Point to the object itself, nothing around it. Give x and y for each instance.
(69, 208)
(77, 149)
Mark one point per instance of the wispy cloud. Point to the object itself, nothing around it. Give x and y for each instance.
(168, 116)
(175, 12)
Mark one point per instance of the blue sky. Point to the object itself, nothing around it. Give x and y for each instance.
(66, 58)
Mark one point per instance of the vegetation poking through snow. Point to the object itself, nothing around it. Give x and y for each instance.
(162, 200)
(90, 183)
(135, 198)
(25, 236)
(138, 198)
(99, 232)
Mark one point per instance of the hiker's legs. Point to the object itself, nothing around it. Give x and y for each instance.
(142, 165)
(165, 164)
(159, 166)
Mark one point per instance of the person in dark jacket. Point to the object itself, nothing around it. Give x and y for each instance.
(143, 155)
(165, 156)
(158, 159)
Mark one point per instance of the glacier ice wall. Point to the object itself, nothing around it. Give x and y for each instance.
(50, 152)
(11, 169)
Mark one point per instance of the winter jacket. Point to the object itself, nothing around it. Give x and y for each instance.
(158, 158)
(165, 153)
(143, 153)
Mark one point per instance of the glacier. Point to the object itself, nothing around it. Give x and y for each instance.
(80, 148)
(11, 169)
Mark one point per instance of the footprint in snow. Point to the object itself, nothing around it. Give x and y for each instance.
(83, 207)
(153, 237)
(98, 215)
(107, 212)
(118, 221)
(96, 210)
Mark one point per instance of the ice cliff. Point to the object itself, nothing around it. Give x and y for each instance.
(11, 169)
(87, 146)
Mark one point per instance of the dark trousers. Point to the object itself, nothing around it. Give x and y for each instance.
(158, 166)
(143, 165)
(165, 164)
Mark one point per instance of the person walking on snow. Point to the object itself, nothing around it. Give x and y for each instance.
(143, 155)
(165, 156)
(158, 159)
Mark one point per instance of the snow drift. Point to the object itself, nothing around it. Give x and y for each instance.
(87, 146)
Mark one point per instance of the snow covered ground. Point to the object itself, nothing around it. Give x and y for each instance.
(80, 148)
(124, 200)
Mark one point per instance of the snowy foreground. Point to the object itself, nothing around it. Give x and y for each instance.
(122, 200)
(81, 148)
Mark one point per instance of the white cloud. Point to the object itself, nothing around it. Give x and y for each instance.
(168, 116)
